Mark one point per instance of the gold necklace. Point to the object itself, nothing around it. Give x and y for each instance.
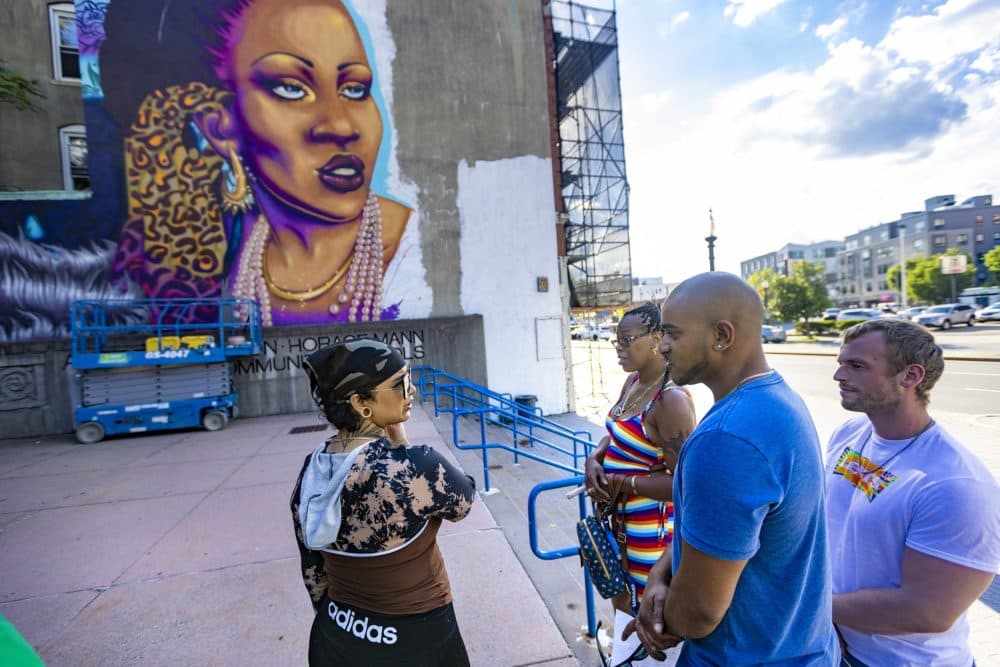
(619, 410)
(308, 294)
(751, 377)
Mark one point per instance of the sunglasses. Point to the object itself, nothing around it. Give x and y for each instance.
(403, 385)
(624, 343)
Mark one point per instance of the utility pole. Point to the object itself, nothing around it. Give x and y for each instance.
(711, 241)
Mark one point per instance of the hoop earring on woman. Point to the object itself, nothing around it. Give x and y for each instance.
(366, 412)
(237, 197)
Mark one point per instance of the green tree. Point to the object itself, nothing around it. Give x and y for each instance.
(16, 90)
(992, 262)
(926, 283)
(802, 294)
(758, 280)
(892, 276)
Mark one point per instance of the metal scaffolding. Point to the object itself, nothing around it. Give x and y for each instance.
(592, 154)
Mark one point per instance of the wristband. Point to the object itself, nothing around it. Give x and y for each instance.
(634, 492)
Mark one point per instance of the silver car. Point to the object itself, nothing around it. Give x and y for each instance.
(947, 315)
(772, 334)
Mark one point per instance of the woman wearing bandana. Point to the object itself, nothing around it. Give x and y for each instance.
(367, 508)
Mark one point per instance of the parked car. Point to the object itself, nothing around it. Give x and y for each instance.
(859, 314)
(947, 315)
(772, 334)
(990, 312)
(830, 314)
(911, 313)
(603, 332)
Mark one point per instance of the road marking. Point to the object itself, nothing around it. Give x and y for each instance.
(996, 391)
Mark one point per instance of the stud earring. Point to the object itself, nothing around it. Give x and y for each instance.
(237, 197)
(718, 346)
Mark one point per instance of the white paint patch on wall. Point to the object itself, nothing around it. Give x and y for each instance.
(508, 240)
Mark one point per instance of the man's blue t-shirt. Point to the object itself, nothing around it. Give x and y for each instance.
(749, 486)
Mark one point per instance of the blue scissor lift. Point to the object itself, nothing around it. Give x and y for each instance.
(169, 372)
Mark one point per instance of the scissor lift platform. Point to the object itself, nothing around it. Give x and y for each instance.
(170, 372)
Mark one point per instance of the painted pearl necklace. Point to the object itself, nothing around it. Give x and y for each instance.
(362, 291)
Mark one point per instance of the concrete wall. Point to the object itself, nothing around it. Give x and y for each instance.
(29, 140)
(38, 390)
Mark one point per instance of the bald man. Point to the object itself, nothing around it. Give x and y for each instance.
(748, 580)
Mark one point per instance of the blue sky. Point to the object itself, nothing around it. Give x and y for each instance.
(799, 121)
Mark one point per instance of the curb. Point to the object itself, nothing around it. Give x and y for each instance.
(832, 353)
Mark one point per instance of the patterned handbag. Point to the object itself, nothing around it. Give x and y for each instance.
(600, 555)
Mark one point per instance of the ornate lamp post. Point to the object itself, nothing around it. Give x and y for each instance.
(711, 241)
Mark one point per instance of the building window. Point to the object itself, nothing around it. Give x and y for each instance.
(884, 235)
(921, 225)
(996, 218)
(996, 237)
(73, 146)
(962, 239)
(980, 237)
(918, 244)
(979, 219)
(65, 50)
(938, 223)
(940, 240)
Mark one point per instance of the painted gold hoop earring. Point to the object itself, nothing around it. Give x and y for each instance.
(366, 413)
(237, 197)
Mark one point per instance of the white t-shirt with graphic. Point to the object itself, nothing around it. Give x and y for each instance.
(933, 496)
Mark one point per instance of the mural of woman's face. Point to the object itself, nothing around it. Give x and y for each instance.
(308, 124)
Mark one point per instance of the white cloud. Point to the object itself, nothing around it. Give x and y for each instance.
(827, 31)
(956, 28)
(745, 12)
(679, 18)
(799, 156)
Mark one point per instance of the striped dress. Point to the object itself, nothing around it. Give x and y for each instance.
(649, 523)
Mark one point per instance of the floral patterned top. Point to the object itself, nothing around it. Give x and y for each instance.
(389, 496)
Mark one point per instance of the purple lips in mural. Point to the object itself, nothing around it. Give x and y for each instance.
(343, 173)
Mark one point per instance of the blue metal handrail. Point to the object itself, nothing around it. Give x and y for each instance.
(468, 399)
(567, 551)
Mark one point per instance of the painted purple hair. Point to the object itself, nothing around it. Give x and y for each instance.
(228, 34)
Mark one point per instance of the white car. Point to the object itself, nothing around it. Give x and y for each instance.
(859, 314)
(990, 312)
(911, 313)
(602, 332)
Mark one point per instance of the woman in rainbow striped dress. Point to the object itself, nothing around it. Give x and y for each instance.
(630, 474)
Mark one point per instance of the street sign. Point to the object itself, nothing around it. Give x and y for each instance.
(952, 264)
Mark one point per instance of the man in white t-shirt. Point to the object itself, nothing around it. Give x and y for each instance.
(913, 516)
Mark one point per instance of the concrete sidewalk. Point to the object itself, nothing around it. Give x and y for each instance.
(177, 549)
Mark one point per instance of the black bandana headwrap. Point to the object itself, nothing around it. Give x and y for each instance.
(337, 373)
